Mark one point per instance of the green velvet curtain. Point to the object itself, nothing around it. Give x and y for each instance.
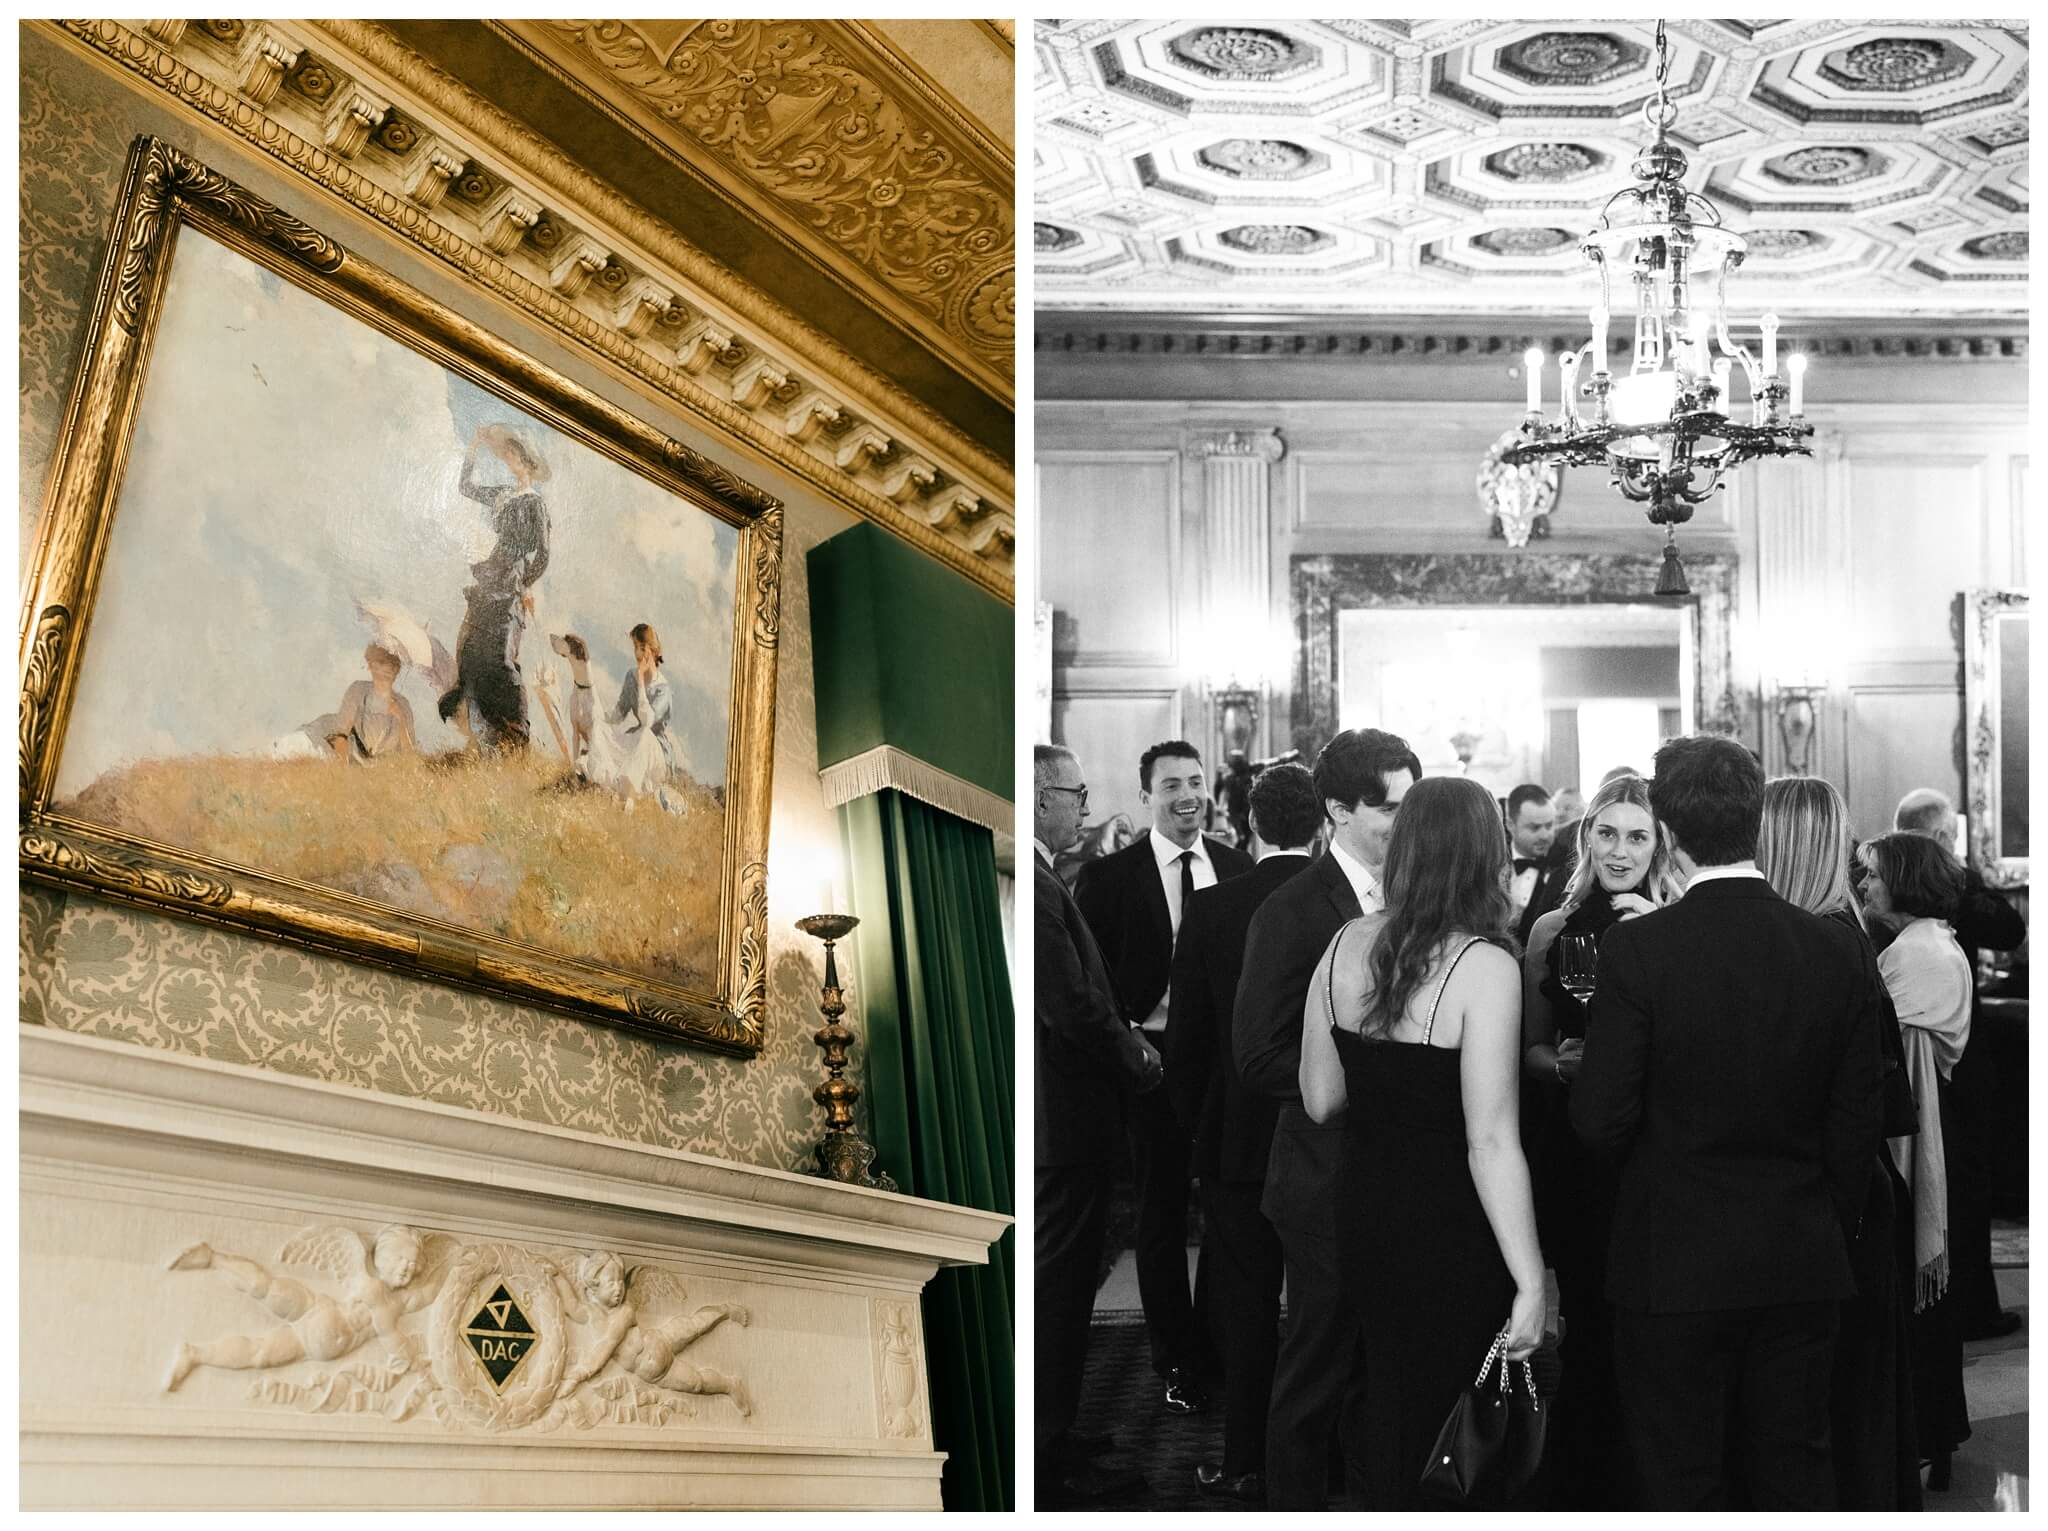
(940, 1038)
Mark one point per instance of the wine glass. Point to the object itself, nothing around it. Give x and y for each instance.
(1578, 964)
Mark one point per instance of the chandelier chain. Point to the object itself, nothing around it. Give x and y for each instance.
(1660, 113)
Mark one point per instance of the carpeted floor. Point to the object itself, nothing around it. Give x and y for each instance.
(2008, 1244)
(1122, 1398)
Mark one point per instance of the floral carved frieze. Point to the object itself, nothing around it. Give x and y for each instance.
(481, 1336)
(447, 173)
(835, 147)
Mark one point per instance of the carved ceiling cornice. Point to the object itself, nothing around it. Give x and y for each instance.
(1424, 345)
(845, 147)
(345, 107)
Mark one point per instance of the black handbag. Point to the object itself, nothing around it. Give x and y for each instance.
(1492, 1443)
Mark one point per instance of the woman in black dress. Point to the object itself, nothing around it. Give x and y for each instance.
(1623, 869)
(1412, 1033)
(1804, 850)
(488, 699)
(1911, 886)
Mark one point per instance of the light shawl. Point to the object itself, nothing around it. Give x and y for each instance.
(1929, 980)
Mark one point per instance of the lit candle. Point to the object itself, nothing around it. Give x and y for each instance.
(1598, 314)
(1532, 369)
(1567, 380)
(1796, 365)
(826, 897)
(1769, 325)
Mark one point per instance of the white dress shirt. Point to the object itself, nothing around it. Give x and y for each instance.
(1364, 881)
(1708, 874)
(1168, 856)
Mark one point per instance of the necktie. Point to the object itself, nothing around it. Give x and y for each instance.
(1526, 864)
(1187, 888)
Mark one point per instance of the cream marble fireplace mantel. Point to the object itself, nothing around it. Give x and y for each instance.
(241, 1289)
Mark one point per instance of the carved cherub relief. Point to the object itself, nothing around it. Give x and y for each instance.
(383, 1283)
(609, 1296)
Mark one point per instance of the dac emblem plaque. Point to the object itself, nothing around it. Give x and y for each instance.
(500, 1336)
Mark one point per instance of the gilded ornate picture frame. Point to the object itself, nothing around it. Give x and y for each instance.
(1995, 730)
(275, 451)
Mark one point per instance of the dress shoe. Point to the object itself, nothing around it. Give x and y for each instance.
(1087, 1484)
(1184, 1395)
(1212, 1479)
(1996, 1327)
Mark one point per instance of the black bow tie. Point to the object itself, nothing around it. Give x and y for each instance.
(1527, 864)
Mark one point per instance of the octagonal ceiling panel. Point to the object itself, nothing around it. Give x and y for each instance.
(1254, 166)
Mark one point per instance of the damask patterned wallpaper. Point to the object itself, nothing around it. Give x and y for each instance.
(107, 971)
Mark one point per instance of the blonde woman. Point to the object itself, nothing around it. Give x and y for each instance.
(1623, 870)
(1804, 851)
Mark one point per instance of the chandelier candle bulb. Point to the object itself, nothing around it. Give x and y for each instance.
(1723, 380)
(1532, 369)
(1567, 385)
(1796, 366)
(1769, 325)
(1599, 317)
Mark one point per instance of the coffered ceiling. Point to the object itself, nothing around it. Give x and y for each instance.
(1450, 167)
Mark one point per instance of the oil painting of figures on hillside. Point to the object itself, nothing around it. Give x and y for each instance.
(364, 626)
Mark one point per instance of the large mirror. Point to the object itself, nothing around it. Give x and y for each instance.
(1995, 723)
(1544, 668)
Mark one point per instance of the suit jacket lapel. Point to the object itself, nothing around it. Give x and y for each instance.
(1343, 897)
(1153, 892)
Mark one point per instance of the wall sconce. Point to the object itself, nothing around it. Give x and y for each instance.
(1797, 720)
(1237, 718)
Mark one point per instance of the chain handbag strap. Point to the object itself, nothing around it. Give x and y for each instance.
(1498, 1349)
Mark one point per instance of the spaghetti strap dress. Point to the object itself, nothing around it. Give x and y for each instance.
(1418, 1251)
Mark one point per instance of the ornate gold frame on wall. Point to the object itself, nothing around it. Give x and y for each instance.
(1989, 616)
(162, 189)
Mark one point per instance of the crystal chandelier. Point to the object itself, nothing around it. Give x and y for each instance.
(1667, 430)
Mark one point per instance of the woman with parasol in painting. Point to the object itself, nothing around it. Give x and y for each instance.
(487, 678)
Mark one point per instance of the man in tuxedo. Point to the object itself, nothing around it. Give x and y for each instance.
(1232, 1129)
(1134, 900)
(1730, 1064)
(1088, 1059)
(1532, 831)
(1360, 778)
(1983, 921)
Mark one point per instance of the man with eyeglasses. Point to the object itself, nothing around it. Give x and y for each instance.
(1088, 1057)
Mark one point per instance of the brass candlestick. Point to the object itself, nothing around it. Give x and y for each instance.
(844, 1154)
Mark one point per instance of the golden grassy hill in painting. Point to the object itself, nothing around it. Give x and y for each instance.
(509, 846)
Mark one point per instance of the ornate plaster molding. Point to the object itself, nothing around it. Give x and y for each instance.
(500, 254)
(1951, 344)
(809, 125)
(1262, 443)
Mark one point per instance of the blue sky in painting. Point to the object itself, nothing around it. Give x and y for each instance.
(288, 460)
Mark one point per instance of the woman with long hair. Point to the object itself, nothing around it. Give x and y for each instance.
(1804, 851)
(1412, 1033)
(1623, 870)
(1911, 886)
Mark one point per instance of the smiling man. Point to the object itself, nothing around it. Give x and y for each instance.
(1134, 900)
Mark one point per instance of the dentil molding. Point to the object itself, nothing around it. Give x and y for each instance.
(470, 188)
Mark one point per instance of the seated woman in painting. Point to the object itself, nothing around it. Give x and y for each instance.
(487, 678)
(373, 719)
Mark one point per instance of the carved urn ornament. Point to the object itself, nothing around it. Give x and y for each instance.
(1667, 429)
(844, 1154)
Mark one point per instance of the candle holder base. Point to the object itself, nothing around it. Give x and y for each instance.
(846, 1157)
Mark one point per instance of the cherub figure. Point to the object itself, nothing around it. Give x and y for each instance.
(608, 1295)
(381, 1289)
